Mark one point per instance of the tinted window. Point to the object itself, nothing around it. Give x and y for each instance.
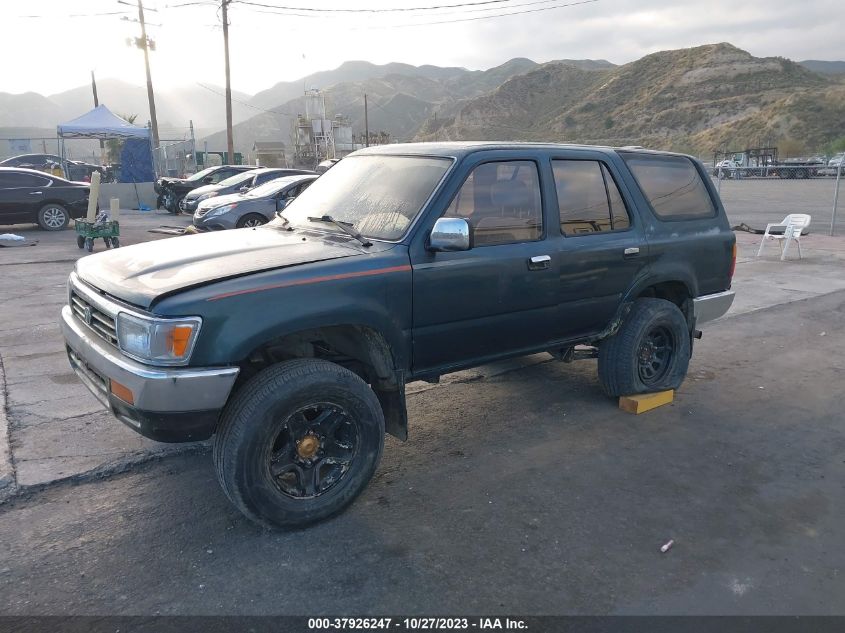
(501, 202)
(22, 180)
(672, 186)
(588, 198)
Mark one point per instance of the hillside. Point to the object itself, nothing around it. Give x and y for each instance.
(824, 67)
(175, 108)
(685, 99)
(399, 102)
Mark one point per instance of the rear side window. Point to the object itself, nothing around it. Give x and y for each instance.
(672, 186)
(588, 198)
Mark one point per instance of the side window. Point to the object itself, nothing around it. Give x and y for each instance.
(12, 180)
(501, 202)
(588, 198)
(672, 186)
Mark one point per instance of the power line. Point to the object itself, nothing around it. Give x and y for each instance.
(249, 105)
(459, 12)
(371, 10)
(72, 15)
(436, 22)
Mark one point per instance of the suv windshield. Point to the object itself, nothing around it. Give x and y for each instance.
(377, 195)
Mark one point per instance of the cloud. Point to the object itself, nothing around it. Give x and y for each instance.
(267, 48)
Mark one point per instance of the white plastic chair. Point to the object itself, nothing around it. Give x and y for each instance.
(792, 225)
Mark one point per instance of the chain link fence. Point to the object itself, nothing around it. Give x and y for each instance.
(175, 158)
(758, 195)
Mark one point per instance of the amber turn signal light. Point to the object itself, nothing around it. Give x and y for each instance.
(121, 391)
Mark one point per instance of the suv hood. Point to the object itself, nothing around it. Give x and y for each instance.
(142, 273)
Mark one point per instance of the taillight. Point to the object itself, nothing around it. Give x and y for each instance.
(733, 263)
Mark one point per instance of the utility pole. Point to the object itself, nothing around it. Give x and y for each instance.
(230, 143)
(145, 44)
(366, 123)
(97, 105)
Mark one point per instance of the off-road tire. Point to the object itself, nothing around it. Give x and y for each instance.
(53, 217)
(253, 419)
(619, 355)
(243, 222)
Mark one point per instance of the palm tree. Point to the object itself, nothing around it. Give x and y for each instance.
(114, 146)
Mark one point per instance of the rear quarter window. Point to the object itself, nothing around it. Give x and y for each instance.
(672, 186)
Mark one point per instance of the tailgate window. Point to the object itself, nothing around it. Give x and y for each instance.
(672, 186)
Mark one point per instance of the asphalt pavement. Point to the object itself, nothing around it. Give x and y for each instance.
(524, 493)
(523, 490)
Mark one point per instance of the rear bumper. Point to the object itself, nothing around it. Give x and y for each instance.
(710, 307)
(168, 405)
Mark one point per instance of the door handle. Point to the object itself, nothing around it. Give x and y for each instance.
(540, 262)
(36, 193)
(631, 252)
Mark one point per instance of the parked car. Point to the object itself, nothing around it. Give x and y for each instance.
(252, 208)
(239, 183)
(326, 165)
(32, 161)
(27, 195)
(292, 342)
(171, 190)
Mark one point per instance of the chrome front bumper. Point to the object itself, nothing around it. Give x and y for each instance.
(156, 391)
(710, 307)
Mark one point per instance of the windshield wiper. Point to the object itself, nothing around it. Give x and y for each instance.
(346, 227)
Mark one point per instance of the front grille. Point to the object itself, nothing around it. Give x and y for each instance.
(102, 324)
(98, 383)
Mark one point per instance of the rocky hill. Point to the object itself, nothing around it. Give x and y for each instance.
(692, 99)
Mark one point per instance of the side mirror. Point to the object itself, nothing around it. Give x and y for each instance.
(244, 189)
(450, 234)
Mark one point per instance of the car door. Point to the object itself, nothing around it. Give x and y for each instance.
(498, 297)
(21, 195)
(603, 249)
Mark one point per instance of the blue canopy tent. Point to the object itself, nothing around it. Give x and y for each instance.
(101, 123)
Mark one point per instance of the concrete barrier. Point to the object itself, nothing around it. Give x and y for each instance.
(126, 193)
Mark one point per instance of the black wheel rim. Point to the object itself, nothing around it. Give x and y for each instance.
(654, 356)
(313, 451)
(253, 222)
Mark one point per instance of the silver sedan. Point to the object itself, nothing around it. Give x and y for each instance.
(253, 208)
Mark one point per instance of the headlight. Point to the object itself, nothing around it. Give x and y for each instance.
(157, 341)
(221, 210)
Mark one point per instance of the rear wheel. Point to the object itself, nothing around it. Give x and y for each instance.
(650, 351)
(251, 219)
(298, 443)
(53, 217)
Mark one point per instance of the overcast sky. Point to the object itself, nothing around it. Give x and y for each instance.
(54, 50)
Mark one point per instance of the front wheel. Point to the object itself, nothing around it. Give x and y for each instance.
(251, 220)
(298, 443)
(650, 351)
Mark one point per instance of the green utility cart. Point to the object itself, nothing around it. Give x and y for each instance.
(87, 232)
